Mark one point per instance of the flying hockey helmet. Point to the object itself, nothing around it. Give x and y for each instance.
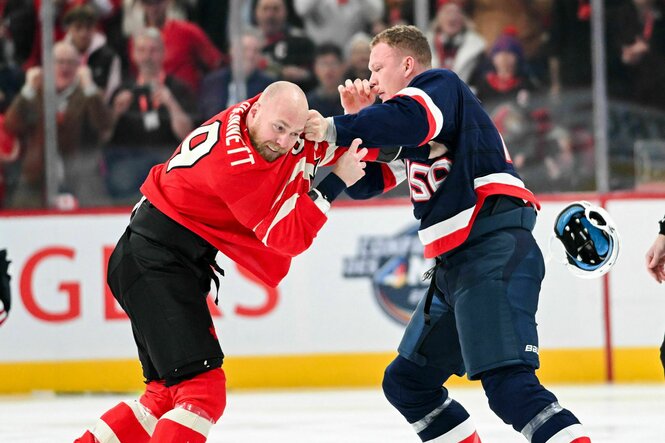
(590, 238)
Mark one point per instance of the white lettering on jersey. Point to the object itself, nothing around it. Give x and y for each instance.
(233, 131)
(233, 136)
(248, 159)
(189, 154)
(425, 179)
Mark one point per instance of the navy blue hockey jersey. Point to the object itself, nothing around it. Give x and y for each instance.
(447, 192)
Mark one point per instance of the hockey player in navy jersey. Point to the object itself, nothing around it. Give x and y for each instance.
(476, 218)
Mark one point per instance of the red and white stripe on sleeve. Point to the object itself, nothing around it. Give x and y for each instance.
(434, 114)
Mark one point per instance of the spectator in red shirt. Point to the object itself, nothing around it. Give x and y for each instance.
(189, 51)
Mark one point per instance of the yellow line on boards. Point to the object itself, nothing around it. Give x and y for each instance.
(318, 370)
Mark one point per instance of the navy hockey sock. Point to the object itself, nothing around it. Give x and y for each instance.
(518, 398)
(416, 392)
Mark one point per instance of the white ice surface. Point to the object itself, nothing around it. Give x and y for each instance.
(611, 413)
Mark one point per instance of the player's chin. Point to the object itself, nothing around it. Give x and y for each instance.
(269, 155)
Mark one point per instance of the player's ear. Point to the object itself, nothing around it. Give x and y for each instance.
(254, 109)
(409, 64)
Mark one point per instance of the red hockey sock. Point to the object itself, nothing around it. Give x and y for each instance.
(126, 422)
(181, 424)
(473, 438)
(86, 438)
(157, 398)
(206, 392)
(199, 403)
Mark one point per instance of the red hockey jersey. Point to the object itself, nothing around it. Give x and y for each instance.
(255, 212)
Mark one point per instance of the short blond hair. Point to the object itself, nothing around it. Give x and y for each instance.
(408, 39)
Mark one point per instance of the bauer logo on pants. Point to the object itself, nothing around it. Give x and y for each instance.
(395, 266)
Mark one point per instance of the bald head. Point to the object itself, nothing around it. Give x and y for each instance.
(65, 50)
(67, 61)
(277, 119)
(286, 91)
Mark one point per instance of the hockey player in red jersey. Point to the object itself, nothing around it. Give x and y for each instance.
(239, 184)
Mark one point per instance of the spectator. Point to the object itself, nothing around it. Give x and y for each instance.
(103, 61)
(329, 71)
(151, 114)
(638, 38)
(212, 17)
(357, 57)
(454, 45)
(570, 45)
(289, 52)
(396, 12)
(218, 90)
(189, 53)
(507, 77)
(133, 15)
(18, 25)
(336, 21)
(9, 150)
(82, 117)
(110, 15)
(60, 7)
(11, 80)
(529, 18)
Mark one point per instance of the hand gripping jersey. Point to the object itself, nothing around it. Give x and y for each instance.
(447, 192)
(255, 212)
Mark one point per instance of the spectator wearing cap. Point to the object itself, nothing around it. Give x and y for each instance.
(189, 52)
(455, 45)
(288, 51)
(218, 90)
(506, 77)
(329, 71)
(80, 24)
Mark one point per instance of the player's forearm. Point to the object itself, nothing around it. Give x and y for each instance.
(380, 126)
(327, 191)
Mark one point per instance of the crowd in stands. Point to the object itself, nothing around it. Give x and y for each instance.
(134, 77)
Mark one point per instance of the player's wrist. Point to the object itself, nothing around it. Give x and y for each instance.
(661, 226)
(330, 187)
(331, 132)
